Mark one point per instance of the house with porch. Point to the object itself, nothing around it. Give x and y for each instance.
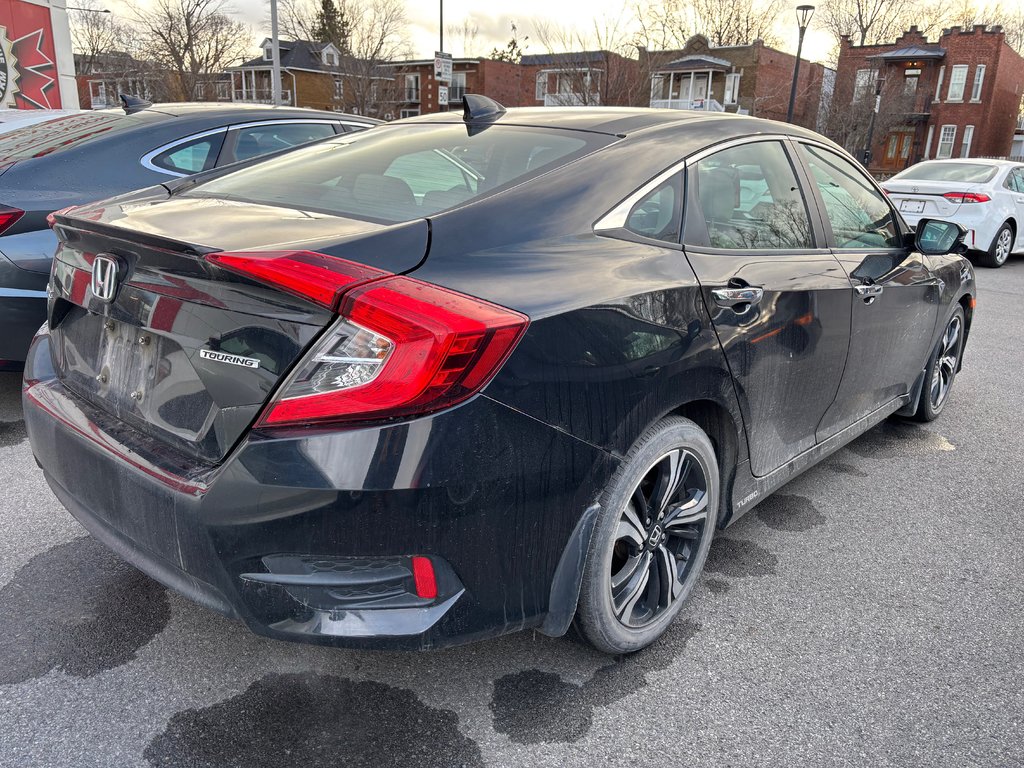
(750, 79)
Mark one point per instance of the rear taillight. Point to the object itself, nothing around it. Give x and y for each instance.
(8, 216)
(967, 197)
(400, 347)
(313, 276)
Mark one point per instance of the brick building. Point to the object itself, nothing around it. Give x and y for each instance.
(957, 97)
(581, 78)
(753, 79)
(414, 89)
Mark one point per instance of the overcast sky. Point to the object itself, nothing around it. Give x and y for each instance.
(494, 19)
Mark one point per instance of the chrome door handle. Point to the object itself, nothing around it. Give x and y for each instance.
(734, 297)
(868, 291)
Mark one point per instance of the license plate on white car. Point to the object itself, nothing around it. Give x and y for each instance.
(912, 206)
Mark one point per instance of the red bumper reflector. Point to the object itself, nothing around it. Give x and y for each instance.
(423, 575)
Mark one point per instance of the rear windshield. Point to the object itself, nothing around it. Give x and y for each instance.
(63, 133)
(970, 173)
(403, 172)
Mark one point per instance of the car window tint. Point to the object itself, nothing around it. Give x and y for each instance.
(1017, 177)
(259, 140)
(398, 173)
(658, 214)
(191, 157)
(432, 171)
(858, 212)
(750, 199)
(946, 171)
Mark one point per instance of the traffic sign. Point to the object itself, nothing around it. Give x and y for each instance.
(442, 67)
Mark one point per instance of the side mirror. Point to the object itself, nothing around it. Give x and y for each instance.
(936, 238)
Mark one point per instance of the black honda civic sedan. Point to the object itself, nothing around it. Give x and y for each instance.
(473, 373)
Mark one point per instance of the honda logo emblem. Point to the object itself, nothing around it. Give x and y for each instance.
(104, 278)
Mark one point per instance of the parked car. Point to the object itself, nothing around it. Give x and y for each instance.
(464, 375)
(985, 196)
(82, 157)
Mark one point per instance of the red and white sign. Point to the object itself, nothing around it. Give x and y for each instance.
(28, 68)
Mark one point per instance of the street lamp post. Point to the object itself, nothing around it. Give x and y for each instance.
(866, 157)
(803, 18)
(275, 55)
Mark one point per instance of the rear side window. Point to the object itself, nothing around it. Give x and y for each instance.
(399, 173)
(859, 215)
(259, 140)
(748, 199)
(659, 213)
(191, 157)
(969, 173)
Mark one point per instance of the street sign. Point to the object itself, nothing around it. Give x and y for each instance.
(442, 67)
(442, 95)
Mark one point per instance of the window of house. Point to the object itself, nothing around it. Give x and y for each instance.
(928, 142)
(541, 86)
(864, 86)
(979, 80)
(191, 157)
(412, 88)
(339, 88)
(957, 81)
(659, 213)
(410, 112)
(732, 88)
(910, 80)
(938, 83)
(947, 135)
(965, 148)
(268, 53)
(457, 87)
(749, 199)
(947, 138)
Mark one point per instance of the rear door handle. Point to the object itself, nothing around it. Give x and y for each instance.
(734, 297)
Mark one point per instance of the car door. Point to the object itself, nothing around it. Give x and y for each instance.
(244, 142)
(895, 294)
(779, 300)
(1015, 184)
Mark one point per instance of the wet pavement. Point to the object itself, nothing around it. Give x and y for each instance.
(869, 613)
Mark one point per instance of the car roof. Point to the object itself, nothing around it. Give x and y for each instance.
(216, 109)
(622, 121)
(973, 161)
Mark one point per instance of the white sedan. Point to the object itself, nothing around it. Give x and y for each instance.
(985, 196)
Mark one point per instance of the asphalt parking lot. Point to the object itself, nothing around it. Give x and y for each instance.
(869, 613)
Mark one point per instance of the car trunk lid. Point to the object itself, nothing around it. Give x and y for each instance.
(184, 350)
(926, 199)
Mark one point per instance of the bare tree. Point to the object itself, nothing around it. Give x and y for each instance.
(194, 40)
(669, 23)
(95, 35)
(870, 22)
(467, 34)
(594, 66)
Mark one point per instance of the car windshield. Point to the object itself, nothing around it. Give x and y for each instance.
(403, 172)
(63, 133)
(966, 172)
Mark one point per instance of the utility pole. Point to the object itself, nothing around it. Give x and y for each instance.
(871, 122)
(275, 46)
(803, 18)
(440, 45)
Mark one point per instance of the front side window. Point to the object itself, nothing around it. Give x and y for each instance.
(858, 213)
(191, 157)
(957, 81)
(947, 136)
(263, 139)
(399, 173)
(979, 81)
(749, 199)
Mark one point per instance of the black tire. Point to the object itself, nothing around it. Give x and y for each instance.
(620, 609)
(999, 251)
(942, 368)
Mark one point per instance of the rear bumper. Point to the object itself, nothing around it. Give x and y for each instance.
(490, 495)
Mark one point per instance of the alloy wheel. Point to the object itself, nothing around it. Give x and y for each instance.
(1003, 245)
(659, 532)
(947, 358)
